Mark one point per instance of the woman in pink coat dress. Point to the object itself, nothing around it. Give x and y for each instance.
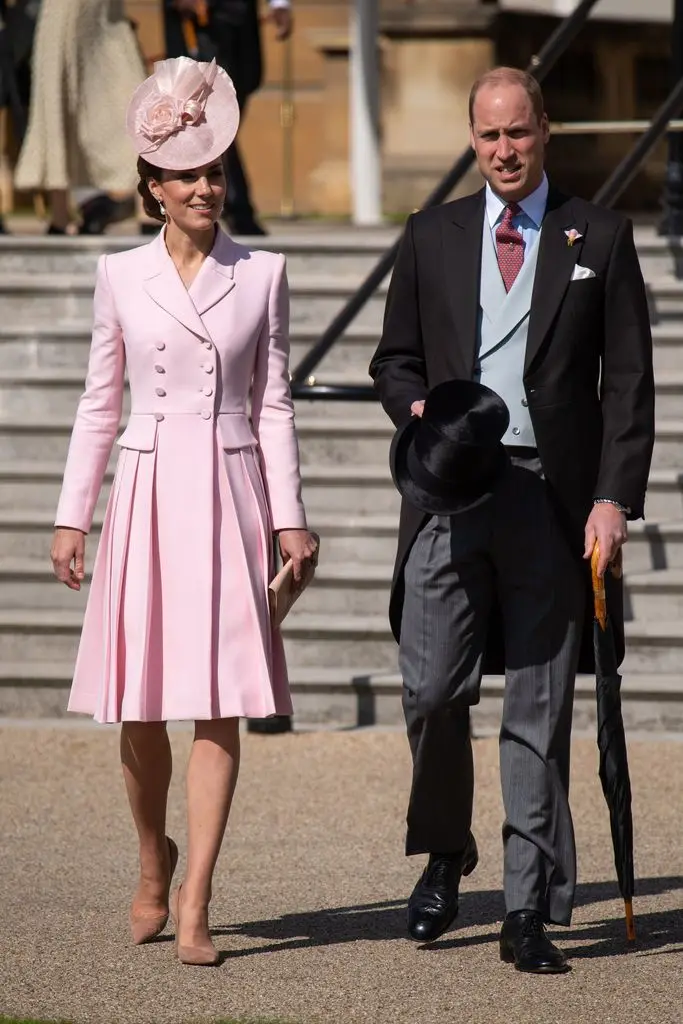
(177, 624)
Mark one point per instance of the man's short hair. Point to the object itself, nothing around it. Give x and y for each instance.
(509, 76)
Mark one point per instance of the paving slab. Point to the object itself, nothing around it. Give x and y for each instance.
(310, 892)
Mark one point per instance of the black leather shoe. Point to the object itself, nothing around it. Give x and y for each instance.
(433, 904)
(524, 943)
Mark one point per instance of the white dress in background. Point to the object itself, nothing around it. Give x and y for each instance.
(86, 65)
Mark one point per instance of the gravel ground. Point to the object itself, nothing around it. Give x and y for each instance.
(310, 893)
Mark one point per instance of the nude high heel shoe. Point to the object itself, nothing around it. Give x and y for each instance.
(205, 955)
(144, 928)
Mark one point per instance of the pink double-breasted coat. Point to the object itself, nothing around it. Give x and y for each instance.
(177, 623)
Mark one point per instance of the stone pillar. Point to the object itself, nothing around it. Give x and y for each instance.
(434, 49)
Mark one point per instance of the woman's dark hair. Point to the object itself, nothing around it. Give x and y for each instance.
(150, 204)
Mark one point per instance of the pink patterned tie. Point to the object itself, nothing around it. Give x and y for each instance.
(510, 247)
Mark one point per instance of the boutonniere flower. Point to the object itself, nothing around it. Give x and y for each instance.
(572, 236)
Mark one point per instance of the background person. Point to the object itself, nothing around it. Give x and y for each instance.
(229, 30)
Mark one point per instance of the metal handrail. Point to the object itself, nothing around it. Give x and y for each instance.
(539, 67)
(609, 127)
(620, 178)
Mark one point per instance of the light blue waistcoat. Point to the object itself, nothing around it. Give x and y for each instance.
(503, 327)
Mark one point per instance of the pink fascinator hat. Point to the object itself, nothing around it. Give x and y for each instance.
(184, 115)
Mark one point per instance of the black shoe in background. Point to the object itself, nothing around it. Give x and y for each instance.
(524, 943)
(270, 726)
(433, 904)
(101, 210)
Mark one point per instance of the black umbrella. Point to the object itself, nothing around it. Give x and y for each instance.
(614, 775)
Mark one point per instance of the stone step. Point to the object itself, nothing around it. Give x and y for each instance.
(317, 641)
(668, 451)
(654, 596)
(352, 489)
(55, 297)
(64, 346)
(665, 295)
(667, 339)
(658, 256)
(339, 588)
(346, 538)
(365, 697)
(354, 508)
(323, 440)
(343, 641)
(353, 252)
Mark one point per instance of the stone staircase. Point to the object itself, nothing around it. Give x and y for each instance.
(341, 654)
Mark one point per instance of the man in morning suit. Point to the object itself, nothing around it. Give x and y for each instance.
(540, 297)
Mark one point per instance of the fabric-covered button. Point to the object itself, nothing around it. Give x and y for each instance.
(208, 392)
(160, 346)
(207, 344)
(515, 431)
(158, 416)
(206, 414)
(208, 368)
(159, 368)
(160, 392)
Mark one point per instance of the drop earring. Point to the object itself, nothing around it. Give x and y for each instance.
(162, 208)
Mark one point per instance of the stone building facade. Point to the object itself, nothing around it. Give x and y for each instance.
(296, 132)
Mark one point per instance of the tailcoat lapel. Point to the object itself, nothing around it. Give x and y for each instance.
(461, 239)
(556, 261)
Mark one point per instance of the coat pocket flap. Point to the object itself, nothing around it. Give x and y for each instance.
(235, 430)
(140, 434)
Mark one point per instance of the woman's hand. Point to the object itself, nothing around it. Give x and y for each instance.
(68, 545)
(299, 545)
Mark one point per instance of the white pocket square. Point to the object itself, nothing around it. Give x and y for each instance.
(580, 273)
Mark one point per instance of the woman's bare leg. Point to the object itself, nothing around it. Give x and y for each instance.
(147, 766)
(211, 779)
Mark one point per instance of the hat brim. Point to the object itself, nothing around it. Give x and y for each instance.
(193, 145)
(458, 500)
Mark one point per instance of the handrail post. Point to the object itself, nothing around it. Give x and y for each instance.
(366, 172)
(672, 220)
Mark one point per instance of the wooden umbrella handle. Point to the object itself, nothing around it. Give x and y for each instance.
(599, 597)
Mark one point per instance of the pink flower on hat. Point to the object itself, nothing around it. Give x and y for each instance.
(160, 119)
(183, 94)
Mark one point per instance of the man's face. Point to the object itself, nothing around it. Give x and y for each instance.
(509, 140)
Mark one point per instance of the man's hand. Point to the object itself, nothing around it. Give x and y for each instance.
(282, 18)
(68, 546)
(606, 525)
(299, 545)
(417, 408)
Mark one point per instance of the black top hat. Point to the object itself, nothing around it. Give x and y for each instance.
(449, 459)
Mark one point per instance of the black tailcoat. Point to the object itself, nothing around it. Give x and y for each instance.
(588, 373)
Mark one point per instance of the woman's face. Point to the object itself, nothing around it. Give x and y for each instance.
(194, 198)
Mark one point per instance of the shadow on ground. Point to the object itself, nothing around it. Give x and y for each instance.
(386, 921)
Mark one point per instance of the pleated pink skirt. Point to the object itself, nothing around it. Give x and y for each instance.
(177, 624)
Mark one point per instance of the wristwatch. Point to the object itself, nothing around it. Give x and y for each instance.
(617, 504)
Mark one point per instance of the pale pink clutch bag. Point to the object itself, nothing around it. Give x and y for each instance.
(283, 592)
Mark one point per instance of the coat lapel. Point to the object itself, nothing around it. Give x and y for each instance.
(213, 282)
(461, 239)
(216, 278)
(556, 261)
